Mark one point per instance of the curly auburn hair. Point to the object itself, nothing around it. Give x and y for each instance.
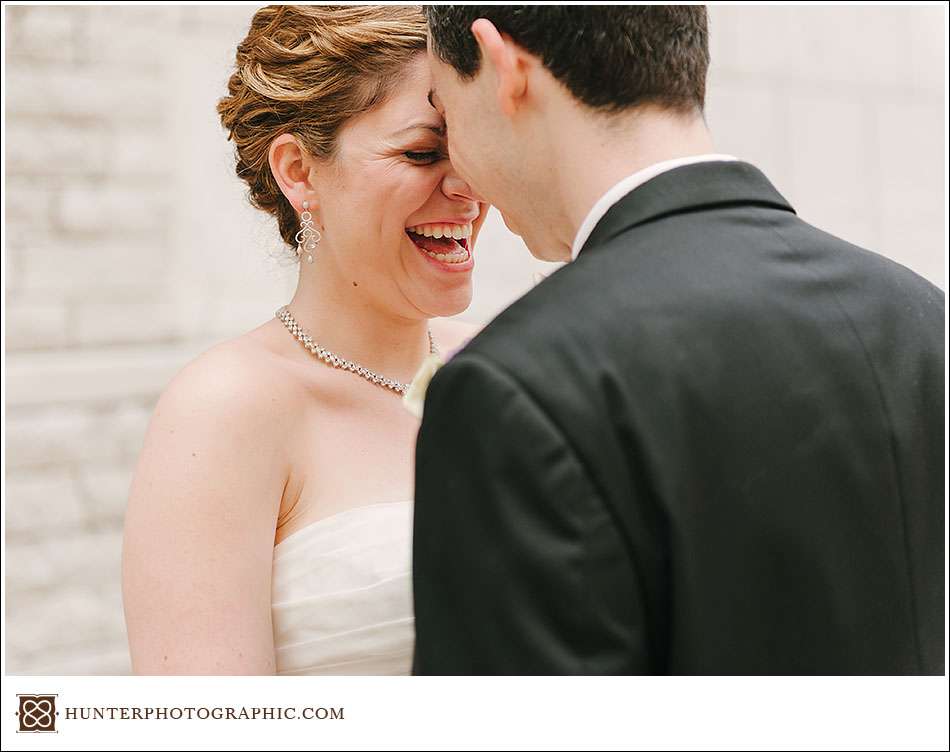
(306, 70)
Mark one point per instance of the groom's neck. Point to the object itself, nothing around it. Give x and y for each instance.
(597, 152)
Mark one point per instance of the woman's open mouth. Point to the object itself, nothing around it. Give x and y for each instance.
(446, 244)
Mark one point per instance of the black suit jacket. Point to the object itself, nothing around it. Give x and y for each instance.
(712, 444)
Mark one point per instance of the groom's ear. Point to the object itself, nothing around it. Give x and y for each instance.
(506, 62)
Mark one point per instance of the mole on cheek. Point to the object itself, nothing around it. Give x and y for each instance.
(355, 285)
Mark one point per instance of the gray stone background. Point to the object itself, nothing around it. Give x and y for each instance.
(130, 248)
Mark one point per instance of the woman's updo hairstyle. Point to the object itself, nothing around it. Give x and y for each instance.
(306, 70)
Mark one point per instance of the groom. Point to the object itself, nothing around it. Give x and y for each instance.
(713, 442)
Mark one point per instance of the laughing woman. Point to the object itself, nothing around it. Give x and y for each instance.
(269, 521)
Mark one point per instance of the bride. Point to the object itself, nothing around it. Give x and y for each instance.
(269, 520)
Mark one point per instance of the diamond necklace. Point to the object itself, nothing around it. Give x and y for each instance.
(331, 359)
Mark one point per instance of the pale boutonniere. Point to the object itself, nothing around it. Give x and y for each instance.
(415, 396)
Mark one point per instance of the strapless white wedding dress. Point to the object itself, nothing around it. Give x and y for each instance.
(342, 594)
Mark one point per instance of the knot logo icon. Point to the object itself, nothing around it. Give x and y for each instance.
(37, 713)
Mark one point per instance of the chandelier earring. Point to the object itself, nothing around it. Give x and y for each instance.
(307, 236)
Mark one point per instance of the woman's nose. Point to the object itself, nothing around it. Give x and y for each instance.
(457, 189)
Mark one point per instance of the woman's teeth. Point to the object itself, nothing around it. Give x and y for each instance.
(442, 242)
(456, 232)
(457, 257)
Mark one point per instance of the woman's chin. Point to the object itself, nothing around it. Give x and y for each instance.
(439, 288)
(448, 303)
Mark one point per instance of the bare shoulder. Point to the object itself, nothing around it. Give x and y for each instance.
(214, 451)
(451, 334)
(236, 378)
(232, 400)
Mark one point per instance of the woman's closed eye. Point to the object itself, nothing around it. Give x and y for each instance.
(424, 157)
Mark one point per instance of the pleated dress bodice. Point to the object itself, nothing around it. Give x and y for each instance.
(342, 594)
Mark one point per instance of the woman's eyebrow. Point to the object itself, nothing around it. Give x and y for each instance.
(439, 130)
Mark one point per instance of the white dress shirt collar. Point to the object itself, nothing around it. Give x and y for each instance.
(626, 185)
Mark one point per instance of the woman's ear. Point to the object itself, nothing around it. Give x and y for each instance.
(290, 166)
(505, 58)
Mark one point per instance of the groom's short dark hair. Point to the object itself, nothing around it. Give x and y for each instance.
(611, 58)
